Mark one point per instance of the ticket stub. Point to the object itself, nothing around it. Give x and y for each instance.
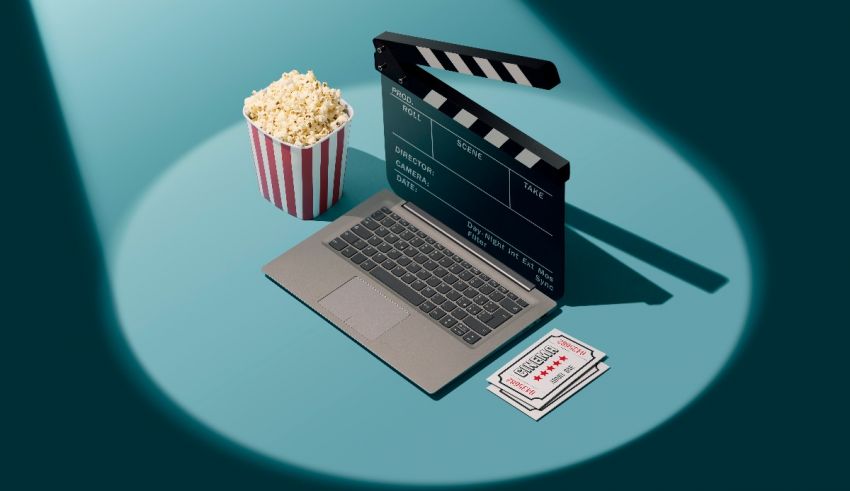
(539, 374)
(562, 396)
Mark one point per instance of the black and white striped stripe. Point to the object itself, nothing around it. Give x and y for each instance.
(492, 135)
(474, 65)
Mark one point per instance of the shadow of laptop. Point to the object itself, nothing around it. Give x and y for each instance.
(593, 276)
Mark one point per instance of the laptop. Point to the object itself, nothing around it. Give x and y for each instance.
(466, 251)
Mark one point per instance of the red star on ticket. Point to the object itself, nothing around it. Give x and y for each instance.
(556, 363)
(550, 367)
(537, 377)
(544, 372)
(562, 358)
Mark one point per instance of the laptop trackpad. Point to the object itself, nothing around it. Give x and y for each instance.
(364, 308)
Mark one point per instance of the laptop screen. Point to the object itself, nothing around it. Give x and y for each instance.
(447, 155)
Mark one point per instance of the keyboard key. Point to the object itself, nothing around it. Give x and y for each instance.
(411, 252)
(473, 309)
(402, 245)
(476, 282)
(498, 319)
(379, 258)
(369, 251)
(439, 246)
(426, 249)
(395, 216)
(407, 235)
(470, 293)
(433, 281)
(388, 222)
(491, 306)
(378, 215)
(349, 251)
(399, 271)
(453, 295)
(484, 277)
(445, 262)
(385, 248)
(413, 267)
(389, 265)
(437, 314)
(398, 286)
(429, 265)
(512, 296)
(448, 306)
(480, 299)
(460, 329)
(444, 288)
(338, 244)
(429, 240)
(382, 231)
(403, 260)
(502, 289)
(522, 303)
(393, 254)
(456, 269)
(422, 258)
(391, 238)
(368, 265)
(510, 306)
(476, 325)
(465, 264)
(438, 299)
(460, 286)
(450, 279)
(465, 275)
(417, 285)
(463, 302)
(358, 258)
(428, 292)
(427, 306)
(416, 242)
(440, 272)
(486, 289)
(412, 228)
(471, 338)
(460, 314)
(436, 255)
(374, 241)
(474, 271)
(493, 283)
(403, 222)
(448, 321)
(360, 244)
(349, 237)
(484, 316)
(423, 275)
(421, 235)
(408, 278)
(397, 229)
(362, 231)
(385, 210)
(496, 296)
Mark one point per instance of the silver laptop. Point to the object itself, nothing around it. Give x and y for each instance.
(468, 249)
(414, 293)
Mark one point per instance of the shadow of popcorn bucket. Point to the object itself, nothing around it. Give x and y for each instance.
(303, 181)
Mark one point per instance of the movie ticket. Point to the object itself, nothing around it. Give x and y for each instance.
(541, 373)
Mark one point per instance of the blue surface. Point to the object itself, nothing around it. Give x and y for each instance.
(256, 366)
(152, 94)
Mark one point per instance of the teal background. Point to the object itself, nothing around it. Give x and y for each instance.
(756, 103)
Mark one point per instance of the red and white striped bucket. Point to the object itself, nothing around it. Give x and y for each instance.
(303, 181)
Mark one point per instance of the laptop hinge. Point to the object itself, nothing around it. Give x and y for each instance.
(456, 238)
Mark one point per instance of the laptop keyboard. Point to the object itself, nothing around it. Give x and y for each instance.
(452, 292)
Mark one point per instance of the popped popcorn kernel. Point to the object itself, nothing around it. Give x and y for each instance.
(297, 109)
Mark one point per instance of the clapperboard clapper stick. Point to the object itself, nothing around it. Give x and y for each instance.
(492, 184)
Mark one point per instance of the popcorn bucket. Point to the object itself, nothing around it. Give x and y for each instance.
(303, 181)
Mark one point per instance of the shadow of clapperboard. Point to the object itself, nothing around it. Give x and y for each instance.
(535, 185)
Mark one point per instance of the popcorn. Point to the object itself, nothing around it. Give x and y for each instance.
(297, 109)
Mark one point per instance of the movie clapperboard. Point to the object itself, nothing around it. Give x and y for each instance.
(492, 184)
